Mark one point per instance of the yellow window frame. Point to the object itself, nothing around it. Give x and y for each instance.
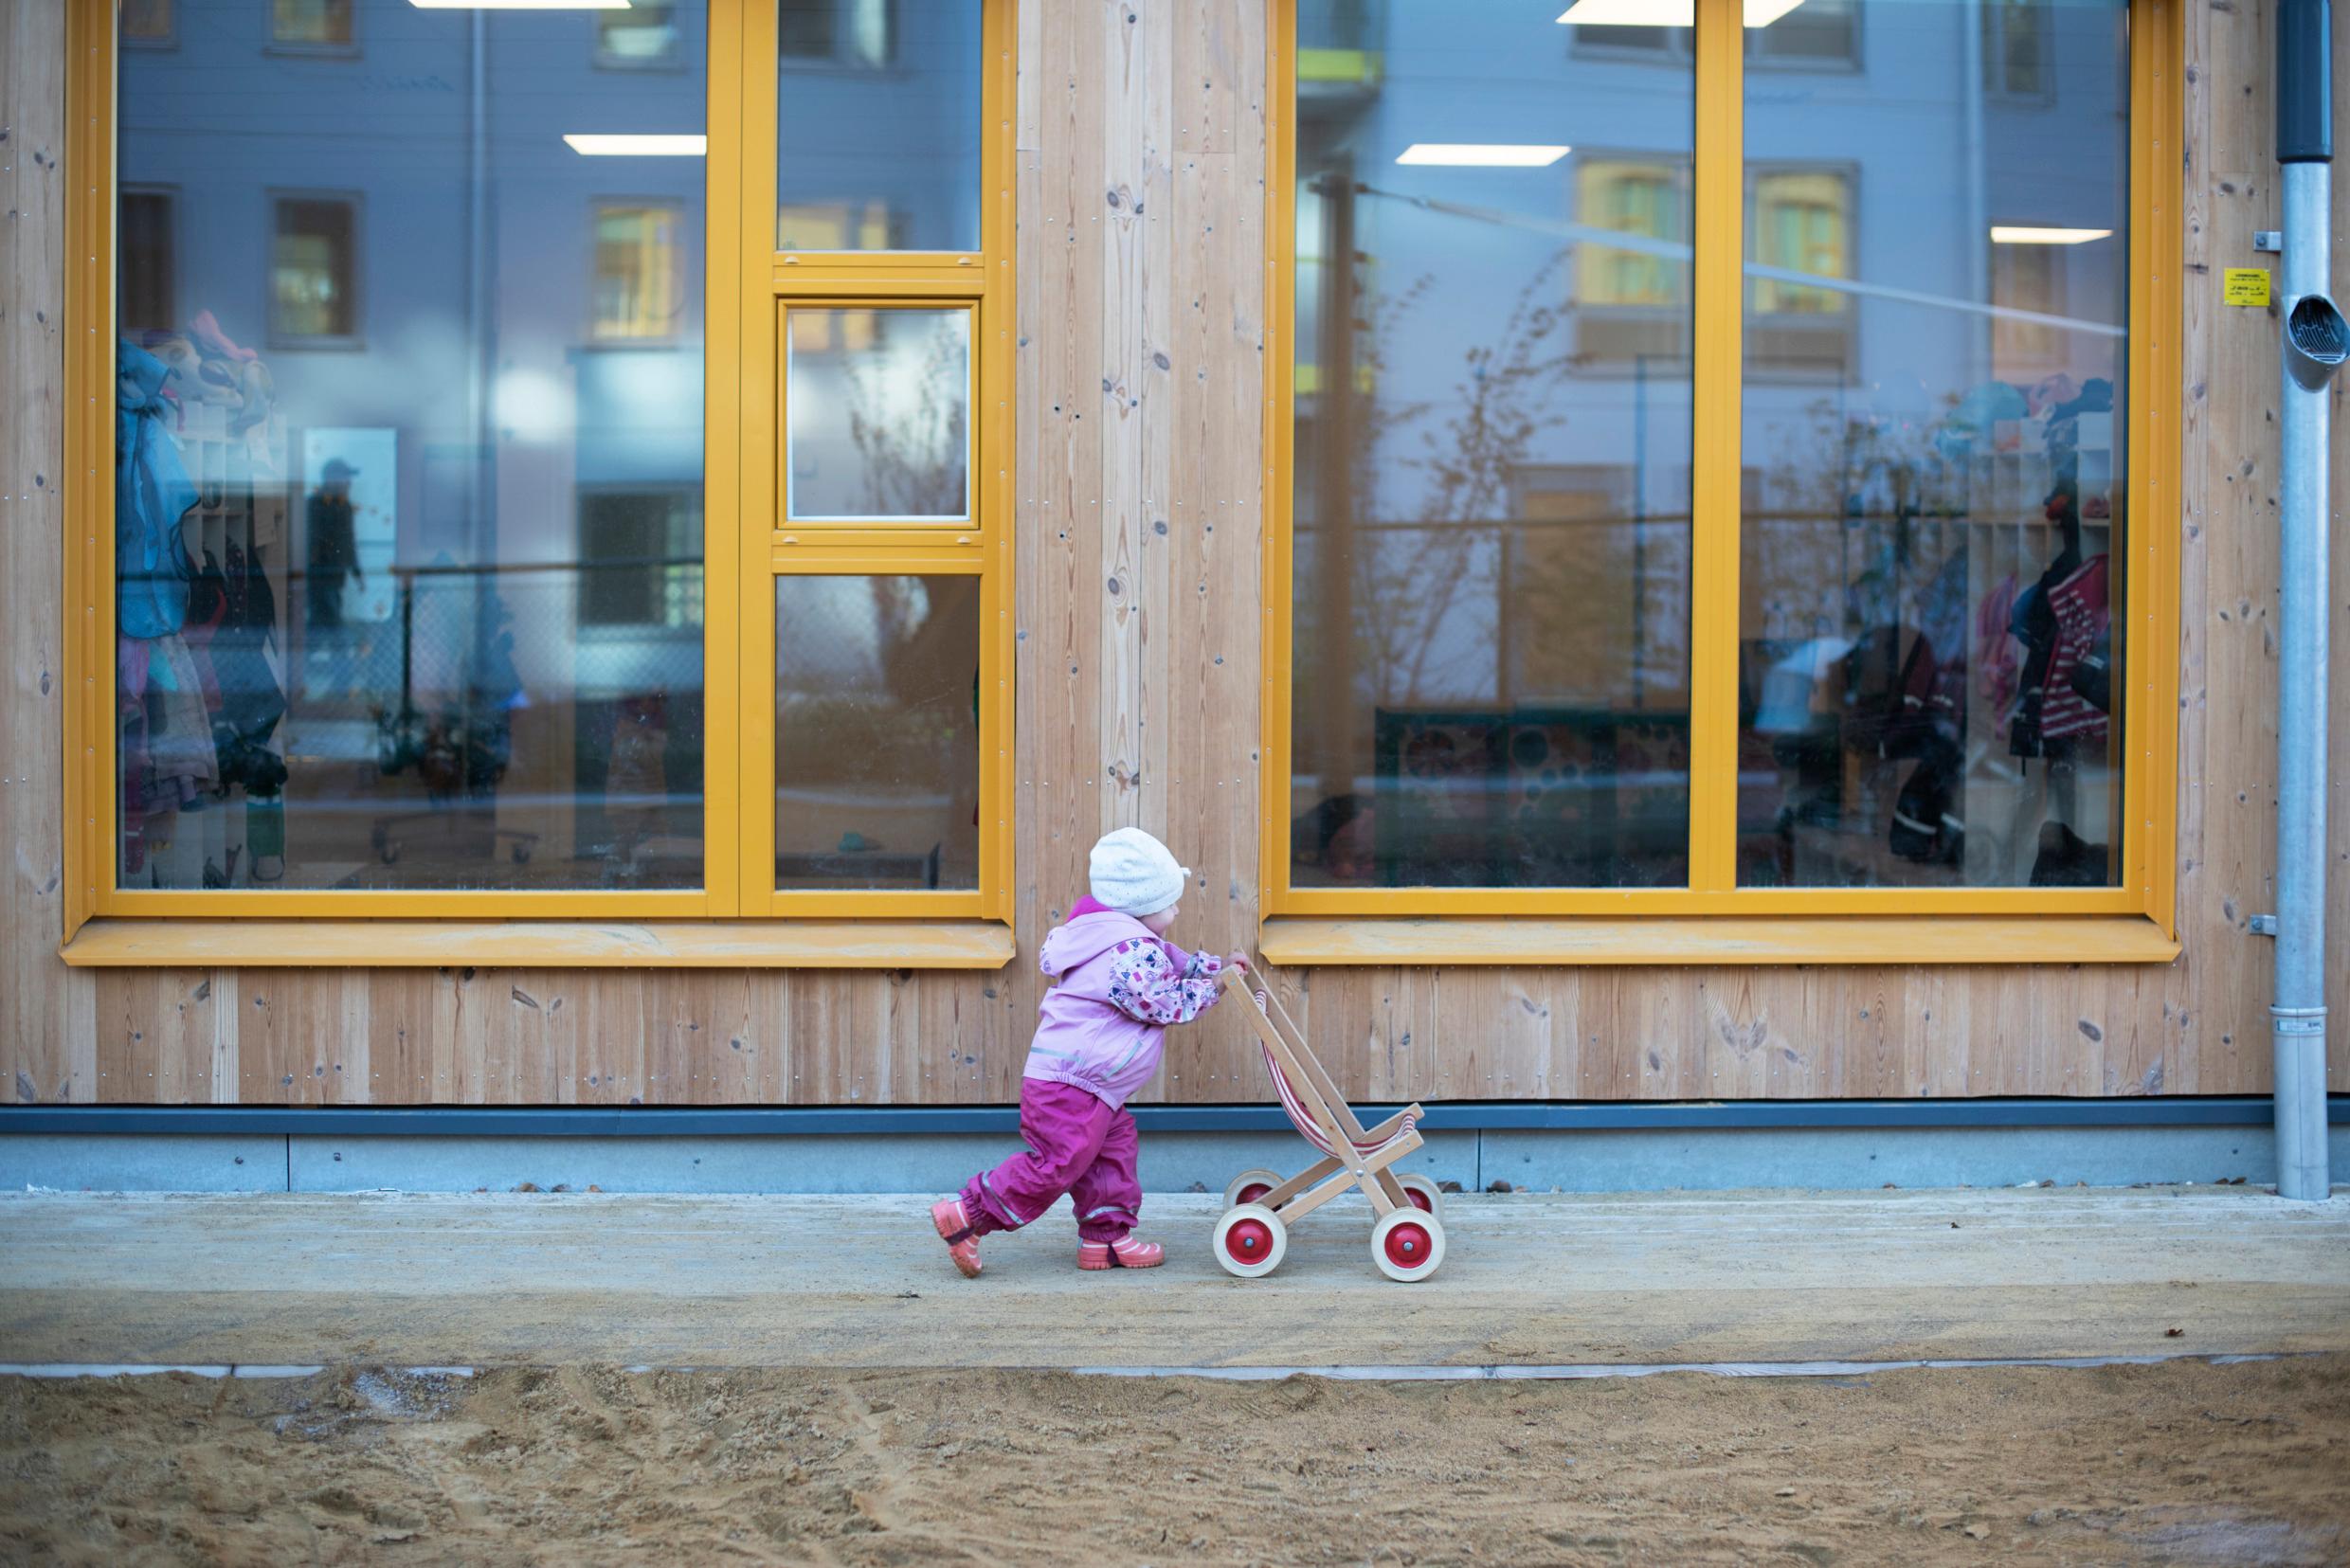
(2147, 889)
(748, 284)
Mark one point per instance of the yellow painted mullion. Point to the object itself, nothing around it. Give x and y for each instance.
(723, 524)
(1278, 630)
(1584, 902)
(883, 903)
(88, 817)
(878, 560)
(2156, 516)
(820, 264)
(979, 546)
(874, 286)
(760, 407)
(992, 478)
(1717, 288)
(232, 904)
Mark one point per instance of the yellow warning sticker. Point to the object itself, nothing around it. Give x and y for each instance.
(2247, 286)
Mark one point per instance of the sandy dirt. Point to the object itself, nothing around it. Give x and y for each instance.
(2184, 1462)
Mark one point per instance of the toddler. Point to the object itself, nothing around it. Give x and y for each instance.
(1100, 1031)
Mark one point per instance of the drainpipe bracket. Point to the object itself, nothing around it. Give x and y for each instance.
(2298, 1020)
(2264, 925)
(2269, 241)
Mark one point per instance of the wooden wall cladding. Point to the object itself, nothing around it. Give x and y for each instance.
(1139, 509)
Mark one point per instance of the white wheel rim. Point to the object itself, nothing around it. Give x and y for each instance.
(1408, 1273)
(1415, 1182)
(1250, 1178)
(1250, 1214)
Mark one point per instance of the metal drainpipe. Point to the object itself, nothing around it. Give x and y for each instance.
(2315, 343)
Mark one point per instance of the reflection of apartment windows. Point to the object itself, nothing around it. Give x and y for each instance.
(314, 282)
(2015, 48)
(839, 32)
(1799, 226)
(836, 225)
(1632, 303)
(1816, 32)
(2027, 277)
(150, 24)
(640, 558)
(643, 33)
(147, 261)
(639, 286)
(311, 23)
(1674, 44)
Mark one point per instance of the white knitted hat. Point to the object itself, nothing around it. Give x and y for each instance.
(1133, 874)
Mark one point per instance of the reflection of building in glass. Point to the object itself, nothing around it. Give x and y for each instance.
(877, 124)
(1492, 458)
(360, 216)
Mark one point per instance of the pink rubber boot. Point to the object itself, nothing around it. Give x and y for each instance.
(1125, 1252)
(954, 1229)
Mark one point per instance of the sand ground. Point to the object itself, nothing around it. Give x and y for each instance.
(2182, 1463)
(862, 1405)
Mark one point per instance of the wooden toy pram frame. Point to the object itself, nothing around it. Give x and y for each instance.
(1407, 1236)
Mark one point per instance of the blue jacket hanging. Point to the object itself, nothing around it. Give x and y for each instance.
(152, 493)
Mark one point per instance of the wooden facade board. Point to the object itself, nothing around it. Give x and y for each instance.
(1139, 513)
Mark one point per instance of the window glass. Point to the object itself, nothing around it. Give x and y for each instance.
(313, 269)
(639, 287)
(877, 732)
(319, 24)
(410, 581)
(1490, 508)
(876, 414)
(1932, 536)
(877, 124)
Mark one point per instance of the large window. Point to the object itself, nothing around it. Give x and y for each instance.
(1925, 617)
(1491, 519)
(1702, 496)
(876, 581)
(501, 523)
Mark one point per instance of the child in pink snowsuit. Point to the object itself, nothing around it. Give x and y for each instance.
(1099, 1032)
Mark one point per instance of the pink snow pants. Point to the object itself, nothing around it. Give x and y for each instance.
(1077, 1146)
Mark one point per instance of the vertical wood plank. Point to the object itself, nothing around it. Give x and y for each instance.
(41, 1057)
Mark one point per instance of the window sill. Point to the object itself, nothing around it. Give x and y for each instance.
(1718, 939)
(116, 943)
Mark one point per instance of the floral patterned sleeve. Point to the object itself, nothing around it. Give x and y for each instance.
(1148, 985)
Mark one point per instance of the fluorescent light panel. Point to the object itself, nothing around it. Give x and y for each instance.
(519, 5)
(591, 146)
(2018, 234)
(1663, 13)
(1483, 155)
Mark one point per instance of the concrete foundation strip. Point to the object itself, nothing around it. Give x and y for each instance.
(1422, 1374)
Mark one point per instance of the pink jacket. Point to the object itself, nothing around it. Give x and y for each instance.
(1102, 1025)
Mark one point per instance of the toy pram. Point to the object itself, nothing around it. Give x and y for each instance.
(1407, 1239)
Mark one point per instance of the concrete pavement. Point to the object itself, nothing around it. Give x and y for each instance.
(704, 1281)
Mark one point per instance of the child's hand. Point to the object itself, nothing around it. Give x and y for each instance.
(1239, 962)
